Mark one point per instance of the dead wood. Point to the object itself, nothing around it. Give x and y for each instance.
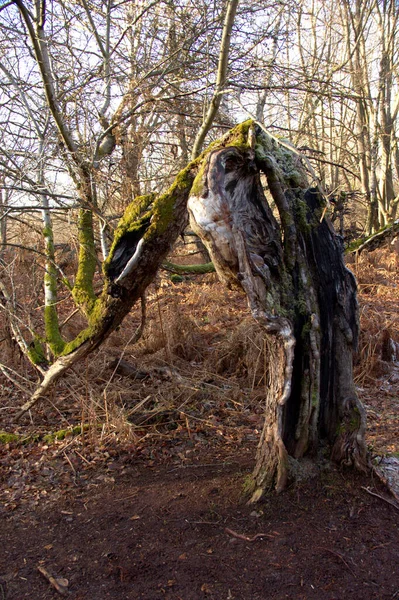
(60, 585)
(246, 538)
(299, 291)
(377, 240)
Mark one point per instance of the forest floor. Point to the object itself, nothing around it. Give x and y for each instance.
(145, 498)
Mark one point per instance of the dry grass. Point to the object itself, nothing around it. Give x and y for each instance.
(378, 284)
(206, 366)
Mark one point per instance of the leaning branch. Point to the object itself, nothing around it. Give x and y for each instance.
(376, 240)
(165, 218)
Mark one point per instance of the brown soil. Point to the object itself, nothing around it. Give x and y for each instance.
(166, 531)
(152, 505)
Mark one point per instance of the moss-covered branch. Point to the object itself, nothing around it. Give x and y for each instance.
(83, 291)
(143, 239)
(376, 240)
(201, 269)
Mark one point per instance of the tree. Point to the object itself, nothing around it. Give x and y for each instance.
(308, 310)
(79, 106)
(292, 272)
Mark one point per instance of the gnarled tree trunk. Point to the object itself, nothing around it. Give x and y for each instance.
(290, 265)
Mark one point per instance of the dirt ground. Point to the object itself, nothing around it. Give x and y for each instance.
(184, 532)
(148, 502)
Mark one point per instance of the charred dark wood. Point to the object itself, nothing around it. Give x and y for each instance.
(125, 249)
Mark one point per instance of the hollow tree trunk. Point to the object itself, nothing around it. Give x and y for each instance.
(291, 268)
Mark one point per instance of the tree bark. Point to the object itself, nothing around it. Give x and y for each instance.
(145, 235)
(298, 289)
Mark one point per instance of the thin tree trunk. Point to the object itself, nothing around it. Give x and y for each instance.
(220, 78)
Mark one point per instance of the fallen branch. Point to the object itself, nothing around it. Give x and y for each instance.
(60, 585)
(385, 236)
(201, 269)
(381, 497)
(246, 538)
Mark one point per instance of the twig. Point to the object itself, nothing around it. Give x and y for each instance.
(381, 497)
(60, 587)
(246, 538)
(70, 464)
(6, 374)
(340, 557)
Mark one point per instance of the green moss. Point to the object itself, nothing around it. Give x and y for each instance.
(8, 438)
(238, 136)
(301, 215)
(83, 292)
(284, 160)
(248, 485)
(350, 426)
(36, 352)
(199, 182)
(95, 322)
(135, 214)
(200, 269)
(164, 206)
(353, 246)
(175, 278)
(49, 438)
(48, 233)
(67, 283)
(60, 435)
(52, 329)
(160, 208)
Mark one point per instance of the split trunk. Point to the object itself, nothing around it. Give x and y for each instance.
(281, 249)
